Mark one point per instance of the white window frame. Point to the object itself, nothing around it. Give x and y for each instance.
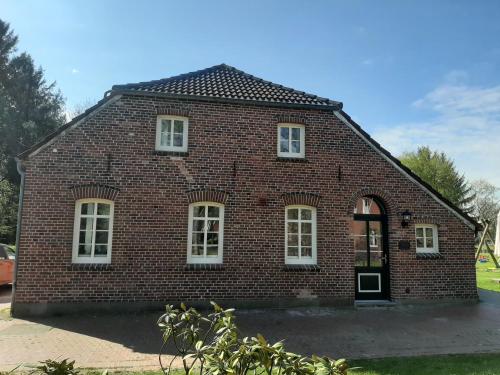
(204, 259)
(298, 259)
(185, 127)
(426, 249)
(291, 154)
(76, 232)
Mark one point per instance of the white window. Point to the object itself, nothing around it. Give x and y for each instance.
(291, 141)
(206, 232)
(93, 231)
(300, 235)
(172, 133)
(427, 238)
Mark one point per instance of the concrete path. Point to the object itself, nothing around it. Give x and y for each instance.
(132, 341)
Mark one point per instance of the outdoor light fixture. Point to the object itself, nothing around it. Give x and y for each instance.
(406, 218)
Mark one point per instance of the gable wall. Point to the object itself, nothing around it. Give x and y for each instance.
(231, 148)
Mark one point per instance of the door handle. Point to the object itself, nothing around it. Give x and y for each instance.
(384, 258)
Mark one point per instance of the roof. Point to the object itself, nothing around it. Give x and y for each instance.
(226, 83)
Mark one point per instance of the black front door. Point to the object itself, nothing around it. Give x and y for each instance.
(372, 259)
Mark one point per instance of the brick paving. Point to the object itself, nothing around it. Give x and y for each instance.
(131, 341)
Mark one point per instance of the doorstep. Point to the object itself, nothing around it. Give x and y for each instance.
(374, 303)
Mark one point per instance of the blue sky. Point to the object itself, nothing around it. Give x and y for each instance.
(411, 73)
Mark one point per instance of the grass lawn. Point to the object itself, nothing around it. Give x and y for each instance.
(484, 275)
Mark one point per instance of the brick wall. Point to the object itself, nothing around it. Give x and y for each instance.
(232, 148)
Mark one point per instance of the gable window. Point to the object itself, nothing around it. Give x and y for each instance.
(172, 133)
(427, 238)
(206, 232)
(93, 231)
(291, 141)
(300, 235)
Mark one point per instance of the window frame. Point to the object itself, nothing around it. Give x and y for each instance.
(435, 239)
(299, 259)
(289, 154)
(185, 126)
(193, 259)
(76, 233)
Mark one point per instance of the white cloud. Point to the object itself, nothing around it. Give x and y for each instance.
(465, 124)
(75, 71)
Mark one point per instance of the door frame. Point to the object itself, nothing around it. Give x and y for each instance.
(384, 271)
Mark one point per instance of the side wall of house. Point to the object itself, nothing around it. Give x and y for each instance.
(231, 148)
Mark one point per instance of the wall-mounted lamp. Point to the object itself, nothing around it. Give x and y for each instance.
(406, 219)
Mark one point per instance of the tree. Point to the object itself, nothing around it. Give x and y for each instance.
(485, 203)
(29, 109)
(440, 172)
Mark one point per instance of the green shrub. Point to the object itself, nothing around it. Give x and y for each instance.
(51, 367)
(211, 345)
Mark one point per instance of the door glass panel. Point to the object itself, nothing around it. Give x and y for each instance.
(375, 241)
(358, 232)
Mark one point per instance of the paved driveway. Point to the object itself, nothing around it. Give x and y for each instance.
(132, 341)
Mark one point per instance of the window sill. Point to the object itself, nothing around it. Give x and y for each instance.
(204, 267)
(90, 267)
(292, 160)
(429, 256)
(301, 268)
(170, 153)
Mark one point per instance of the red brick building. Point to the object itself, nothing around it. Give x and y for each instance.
(217, 185)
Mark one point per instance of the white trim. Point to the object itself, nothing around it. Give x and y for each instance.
(370, 274)
(204, 259)
(406, 174)
(92, 113)
(76, 233)
(298, 259)
(185, 126)
(435, 238)
(290, 154)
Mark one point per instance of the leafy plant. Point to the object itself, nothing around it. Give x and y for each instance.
(52, 367)
(211, 345)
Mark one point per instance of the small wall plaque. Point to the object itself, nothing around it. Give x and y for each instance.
(404, 245)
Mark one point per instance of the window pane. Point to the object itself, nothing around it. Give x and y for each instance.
(293, 251)
(293, 240)
(429, 242)
(166, 126)
(101, 237)
(295, 134)
(212, 250)
(212, 239)
(213, 211)
(428, 232)
(85, 237)
(165, 139)
(197, 250)
(84, 250)
(178, 126)
(102, 224)
(306, 228)
(305, 214)
(87, 208)
(419, 232)
(420, 242)
(103, 209)
(101, 250)
(284, 146)
(86, 223)
(293, 228)
(375, 258)
(198, 238)
(306, 252)
(306, 240)
(178, 140)
(212, 225)
(198, 225)
(293, 213)
(199, 211)
(361, 258)
(284, 134)
(295, 147)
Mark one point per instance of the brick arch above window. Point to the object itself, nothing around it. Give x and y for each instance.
(291, 119)
(98, 191)
(301, 198)
(208, 195)
(173, 111)
(382, 195)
